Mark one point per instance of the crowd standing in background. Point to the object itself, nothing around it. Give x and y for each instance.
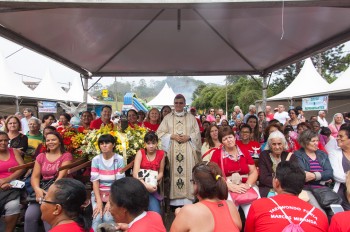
(276, 160)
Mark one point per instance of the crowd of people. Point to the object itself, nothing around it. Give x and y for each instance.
(278, 168)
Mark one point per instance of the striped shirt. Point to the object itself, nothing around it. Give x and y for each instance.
(315, 166)
(106, 171)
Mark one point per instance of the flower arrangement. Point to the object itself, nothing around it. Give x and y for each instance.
(89, 144)
(134, 140)
(71, 139)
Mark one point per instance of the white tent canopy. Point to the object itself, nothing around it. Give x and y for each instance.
(165, 97)
(49, 89)
(342, 83)
(308, 82)
(11, 86)
(76, 93)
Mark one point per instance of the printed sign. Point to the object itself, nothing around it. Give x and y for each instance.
(315, 103)
(47, 107)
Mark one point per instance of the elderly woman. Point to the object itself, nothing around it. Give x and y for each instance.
(213, 212)
(17, 139)
(334, 126)
(35, 138)
(10, 206)
(129, 202)
(63, 207)
(152, 120)
(46, 171)
(233, 159)
(314, 162)
(211, 141)
(274, 153)
(339, 156)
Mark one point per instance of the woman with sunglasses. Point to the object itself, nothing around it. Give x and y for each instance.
(64, 207)
(213, 212)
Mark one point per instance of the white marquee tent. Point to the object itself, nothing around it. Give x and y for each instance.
(49, 89)
(12, 86)
(342, 83)
(76, 93)
(165, 97)
(307, 83)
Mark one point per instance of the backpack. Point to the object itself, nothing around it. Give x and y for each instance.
(292, 227)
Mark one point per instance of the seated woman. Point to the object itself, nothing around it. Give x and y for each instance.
(152, 120)
(105, 169)
(46, 168)
(35, 138)
(252, 121)
(132, 118)
(211, 141)
(10, 206)
(17, 139)
(314, 162)
(153, 159)
(64, 207)
(335, 124)
(47, 120)
(213, 212)
(271, 127)
(252, 146)
(339, 156)
(274, 153)
(129, 202)
(233, 159)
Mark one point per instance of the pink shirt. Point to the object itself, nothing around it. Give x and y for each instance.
(50, 169)
(210, 118)
(5, 165)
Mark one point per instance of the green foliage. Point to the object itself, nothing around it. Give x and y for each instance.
(243, 91)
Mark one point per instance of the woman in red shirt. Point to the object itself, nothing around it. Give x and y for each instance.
(152, 120)
(233, 159)
(147, 159)
(132, 118)
(63, 207)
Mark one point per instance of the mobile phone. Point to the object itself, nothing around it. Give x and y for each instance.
(336, 208)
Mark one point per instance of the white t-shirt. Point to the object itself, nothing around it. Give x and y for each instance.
(323, 122)
(281, 117)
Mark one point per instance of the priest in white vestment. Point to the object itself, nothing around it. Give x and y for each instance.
(180, 138)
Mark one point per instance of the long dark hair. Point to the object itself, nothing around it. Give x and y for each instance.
(208, 137)
(211, 184)
(71, 195)
(55, 133)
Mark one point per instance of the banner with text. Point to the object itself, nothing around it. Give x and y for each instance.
(47, 107)
(315, 103)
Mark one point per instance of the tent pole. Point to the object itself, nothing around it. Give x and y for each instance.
(264, 92)
(85, 87)
(17, 104)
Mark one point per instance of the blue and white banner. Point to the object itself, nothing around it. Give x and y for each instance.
(47, 107)
(315, 103)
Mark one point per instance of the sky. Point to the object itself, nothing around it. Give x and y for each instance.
(32, 64)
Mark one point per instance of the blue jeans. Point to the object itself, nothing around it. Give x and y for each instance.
(106, 218)
(153, 204)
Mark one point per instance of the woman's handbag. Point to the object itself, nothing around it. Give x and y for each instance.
(326, 196)
(45, 185)
(244, 198)
(240, 198)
